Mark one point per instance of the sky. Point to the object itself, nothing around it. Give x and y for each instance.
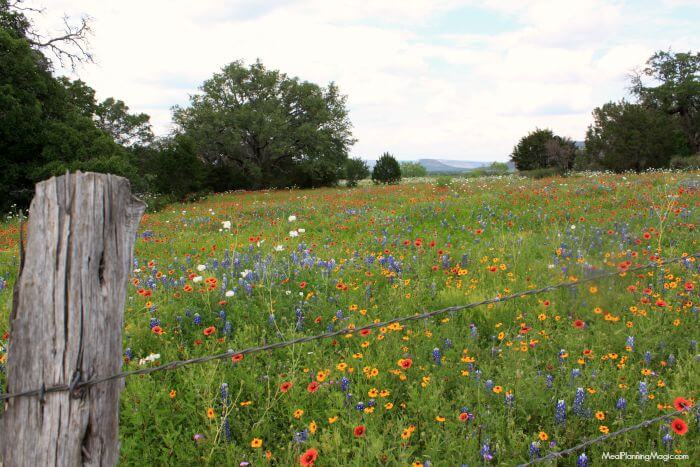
(449, 79)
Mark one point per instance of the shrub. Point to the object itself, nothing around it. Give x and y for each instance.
(540, 173)
(413, 169)
(443, 181)
(386, 170)
(355, 169)
(686, 162)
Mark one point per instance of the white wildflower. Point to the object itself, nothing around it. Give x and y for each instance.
(292, 218)
(201, 267)
(226, 224)
(230, 293)
(293, 233)
(197, 279)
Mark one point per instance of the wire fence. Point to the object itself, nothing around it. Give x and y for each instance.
(76, 387)
(578, 447)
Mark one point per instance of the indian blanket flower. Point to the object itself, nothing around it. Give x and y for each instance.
(308, 458)
(359, 431)
(679, 426)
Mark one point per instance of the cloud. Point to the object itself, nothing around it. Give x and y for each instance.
(412, 88)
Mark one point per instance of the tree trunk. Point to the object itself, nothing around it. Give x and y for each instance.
(66, 321)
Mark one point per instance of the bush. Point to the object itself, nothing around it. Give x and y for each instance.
(686, 162)
(355, 169)
(540, 173)
(443, 181)
(386, 170)
(413, 169)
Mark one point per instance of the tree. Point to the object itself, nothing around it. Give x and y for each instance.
(386, 170)
(626, 136)
(560, 153)
(71, 46)
(677, 92)
(111, 115)
(43, 131)
(355, 169)
(413, 169)
(531, 151)
(274, 130)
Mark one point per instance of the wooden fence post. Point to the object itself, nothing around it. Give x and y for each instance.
(66, 321)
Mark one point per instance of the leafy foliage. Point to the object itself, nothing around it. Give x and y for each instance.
(413, 169)
(626, 136)
(275, 130)
(386, 170)
(531, 151)
(355, 169)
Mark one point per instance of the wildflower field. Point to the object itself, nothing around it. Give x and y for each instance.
(503, 383)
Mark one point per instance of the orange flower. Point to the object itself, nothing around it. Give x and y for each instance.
(157, 330)
(405, 363)
(210, 413)
(209, 331)
(172, 393)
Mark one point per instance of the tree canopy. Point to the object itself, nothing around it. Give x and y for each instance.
(272, 129)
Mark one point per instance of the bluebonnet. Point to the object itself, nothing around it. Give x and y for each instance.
(473, 330)
(647, 357)
(437, 356)
(228, 328)
(301, 436)
(621, 404)
(488, 384)
(643, 391)
(560, 412)
(534, 450)
(671, 360)
(360, 406)
(222, 315)
(579, 400)
(667, 441)
(486, 452)
(510, 400)
(128, 353)
(227, 430)
(630, 342)
(582, 460)
(154, 322)
(550, 380)
(197, 319)
(344, 384)
(224, 393)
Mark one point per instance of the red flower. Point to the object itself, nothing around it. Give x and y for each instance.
(689, 286)
(360, 431)
(406, 242)
(579, 324)
(660, 303)
(209, 331)
(405, 363)
(647, 235)
(313, 387)
(546, 303)
(286, 386)
(157, 330)
(464, 416)
(237, 358)
(308, 458)
(679, 426)
(681, 403)
(365, 332)
(303, 285)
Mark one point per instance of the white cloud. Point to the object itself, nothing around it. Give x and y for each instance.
(453, 94)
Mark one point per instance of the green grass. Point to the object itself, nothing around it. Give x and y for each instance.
(352, 266)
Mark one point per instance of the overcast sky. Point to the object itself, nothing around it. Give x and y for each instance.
(454, 79)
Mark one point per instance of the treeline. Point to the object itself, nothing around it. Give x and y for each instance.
(249, 127)
(660, 128)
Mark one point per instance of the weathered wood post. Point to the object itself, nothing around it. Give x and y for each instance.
(66, 321)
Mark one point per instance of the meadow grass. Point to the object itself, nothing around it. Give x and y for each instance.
(480, 386)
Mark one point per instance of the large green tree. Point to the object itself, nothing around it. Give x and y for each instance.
(43, 130)
(627, 136)
(270, 129)
(670, 83)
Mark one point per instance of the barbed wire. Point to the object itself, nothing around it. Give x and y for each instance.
(566, 452)
(76, 387)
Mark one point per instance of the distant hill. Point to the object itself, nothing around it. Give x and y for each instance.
(445, 165)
